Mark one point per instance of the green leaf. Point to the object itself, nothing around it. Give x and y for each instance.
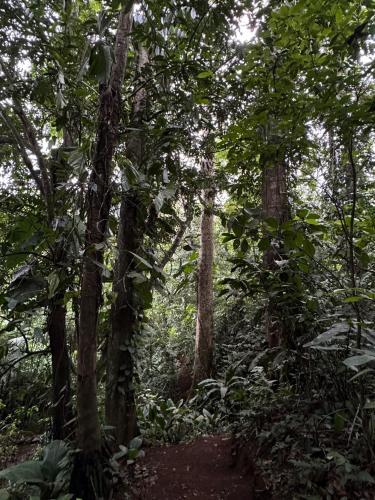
(53, 454)
(53, 283)
(117, 4)
(25, 472)
(205, 74)
(329, 335)
(228, 237)
(272, 222)
(77, 159)
(312, 222)
(198, 99)
(137, 277)
(136, 443)
(105, 270)
(24, 289)
(353, 298)
(101, 62)
(165, 194)
(264, 244)
(365, 477)
(309, 248)
(360, 360)
(302, 213)
(361, 374)
(223, 391)
(4, 495)
(142, 260)
(236, 244)
(244, 246)
(338, 422)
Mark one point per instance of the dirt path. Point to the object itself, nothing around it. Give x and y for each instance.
(201, 470)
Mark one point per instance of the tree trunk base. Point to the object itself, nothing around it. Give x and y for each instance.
(89, 480)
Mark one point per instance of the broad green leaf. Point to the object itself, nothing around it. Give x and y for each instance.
(101, 62)
(25, 472)
(264, 244)
(309, 248)
(360, 360)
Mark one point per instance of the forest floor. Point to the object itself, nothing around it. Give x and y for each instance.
(205, 469)
(14, 452)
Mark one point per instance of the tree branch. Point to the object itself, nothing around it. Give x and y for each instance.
(4, 139)
(44, 183)
(45, 177)
(18, 360)
(22, 149)
(177, 240)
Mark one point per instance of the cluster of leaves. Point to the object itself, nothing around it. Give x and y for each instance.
(169, 422)
(43, 479)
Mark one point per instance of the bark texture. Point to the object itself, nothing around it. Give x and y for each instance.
(120, 400)
(275, 205)
(56, 326)
(204, 333)
(98, 205)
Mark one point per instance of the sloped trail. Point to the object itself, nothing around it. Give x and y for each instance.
(204, 469)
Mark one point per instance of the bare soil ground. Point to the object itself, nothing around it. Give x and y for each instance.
(16, 452)
(204, 469)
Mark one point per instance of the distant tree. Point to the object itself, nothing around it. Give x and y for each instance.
(204, 330)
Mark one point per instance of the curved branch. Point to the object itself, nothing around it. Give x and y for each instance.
(35, 148)
(18, 360)
(184, 224)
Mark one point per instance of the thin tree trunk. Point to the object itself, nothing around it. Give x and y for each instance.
(275, 206)
(351, 243)
(87, 477)
(56, 318)
(120, 397)
(56, 326)
(204, 333)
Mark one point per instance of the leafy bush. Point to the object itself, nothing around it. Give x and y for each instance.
(43, 479)
(166, 421)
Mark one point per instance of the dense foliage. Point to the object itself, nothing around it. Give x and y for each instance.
(109, 111)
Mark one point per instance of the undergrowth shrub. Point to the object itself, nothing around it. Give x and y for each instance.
(165, 421)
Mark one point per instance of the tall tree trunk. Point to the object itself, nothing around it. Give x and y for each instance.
(87, 476)
(56, 326)
(275, 206)
(120, 400)
(204, 333)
